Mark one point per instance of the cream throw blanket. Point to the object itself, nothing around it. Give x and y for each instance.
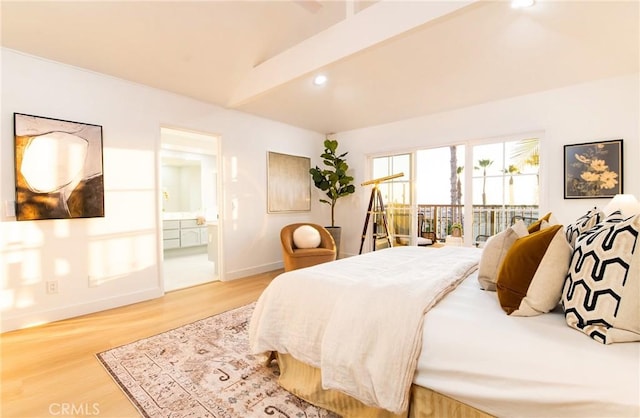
(360, 319)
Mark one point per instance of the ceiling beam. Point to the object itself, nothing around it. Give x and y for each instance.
(365, 29)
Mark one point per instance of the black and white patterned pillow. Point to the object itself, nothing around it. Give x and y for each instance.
(592, 233)
(600, 295)
(583, 224)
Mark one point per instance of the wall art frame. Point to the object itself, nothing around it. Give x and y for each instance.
(288, 183)
(58, 168)
(593, 170)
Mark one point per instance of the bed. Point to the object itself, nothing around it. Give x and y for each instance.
(468, 357)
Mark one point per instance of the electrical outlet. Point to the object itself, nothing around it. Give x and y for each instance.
(52, 287)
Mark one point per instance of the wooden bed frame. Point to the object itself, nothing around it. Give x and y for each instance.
(304, 381)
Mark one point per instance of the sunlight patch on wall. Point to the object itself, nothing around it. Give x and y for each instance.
(129, 169)
(234, 210)
(19, 235)
(126, 211)
(31, 267)
(24, 298)
(20, 263)
(114, 258)
(234, 169)
(7, 297)
(62, 267)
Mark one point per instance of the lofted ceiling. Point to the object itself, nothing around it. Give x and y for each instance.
(385, 60)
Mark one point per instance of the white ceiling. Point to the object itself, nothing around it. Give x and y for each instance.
(260, 56)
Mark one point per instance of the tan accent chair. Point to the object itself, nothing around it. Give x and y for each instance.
(296, 258)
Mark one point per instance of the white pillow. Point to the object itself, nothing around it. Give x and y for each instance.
(306, 236)
(494, 252)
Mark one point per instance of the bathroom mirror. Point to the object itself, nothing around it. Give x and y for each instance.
(181, 182)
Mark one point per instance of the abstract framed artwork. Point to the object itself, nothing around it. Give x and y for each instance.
(288, 183)
(58, 168)
(593, 170)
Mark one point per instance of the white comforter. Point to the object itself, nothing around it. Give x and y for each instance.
(360, 319)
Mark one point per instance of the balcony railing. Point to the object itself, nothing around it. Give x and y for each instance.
(487, 219)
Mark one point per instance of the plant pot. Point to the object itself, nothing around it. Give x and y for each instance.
(335, 232)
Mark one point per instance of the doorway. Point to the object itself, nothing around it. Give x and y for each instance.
(189, 164)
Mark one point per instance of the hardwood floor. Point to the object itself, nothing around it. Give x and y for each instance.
(51, 370)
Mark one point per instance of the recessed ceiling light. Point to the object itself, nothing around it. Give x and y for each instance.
(521, 4)
(320, 79)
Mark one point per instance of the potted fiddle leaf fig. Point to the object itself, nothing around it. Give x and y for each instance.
(334, 181)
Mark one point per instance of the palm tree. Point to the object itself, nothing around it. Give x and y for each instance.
(511, 171)
(452, 176)
(458, 199)
(483, 164)
(527, 152)
(459, 185)
(456, 185)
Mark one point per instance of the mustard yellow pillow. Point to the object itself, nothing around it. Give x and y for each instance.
(531, 277)
(536, 226)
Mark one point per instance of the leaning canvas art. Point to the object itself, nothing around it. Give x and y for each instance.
(58, 169)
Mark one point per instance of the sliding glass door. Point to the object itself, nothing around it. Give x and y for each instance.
(396, 196)
(440, 190)
(505, 183)
(460, 194)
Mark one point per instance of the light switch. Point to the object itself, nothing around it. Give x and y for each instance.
(10, 208)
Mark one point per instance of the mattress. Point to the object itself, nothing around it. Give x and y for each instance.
(523, 366)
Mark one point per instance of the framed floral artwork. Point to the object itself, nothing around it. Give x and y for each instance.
(593, 170)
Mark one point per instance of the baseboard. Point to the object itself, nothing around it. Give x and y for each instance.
(31, 319)
(239, 274)
(346, 255)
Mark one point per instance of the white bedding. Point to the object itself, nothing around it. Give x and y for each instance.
(359, 319)
(523, 366)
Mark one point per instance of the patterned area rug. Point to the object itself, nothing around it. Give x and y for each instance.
(203, 369)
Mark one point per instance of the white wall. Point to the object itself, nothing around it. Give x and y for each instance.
(106, 262)
(605, 109)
